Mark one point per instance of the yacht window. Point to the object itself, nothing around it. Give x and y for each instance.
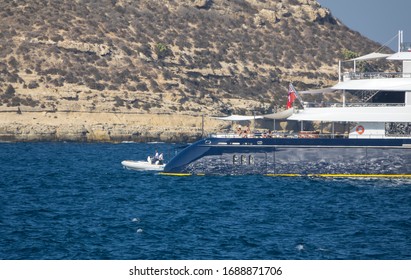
(235, 159)
(243, 160)
(398, 129)
(251, 160)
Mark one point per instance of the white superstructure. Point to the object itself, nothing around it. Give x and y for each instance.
(371, 118)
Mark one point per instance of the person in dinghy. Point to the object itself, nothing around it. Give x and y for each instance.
(158, 159)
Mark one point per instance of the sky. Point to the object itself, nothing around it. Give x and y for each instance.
(379, 20)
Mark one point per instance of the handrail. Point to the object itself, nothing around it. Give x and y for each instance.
(360, 104)
(304, 134)
(317, 136)
(375, 75)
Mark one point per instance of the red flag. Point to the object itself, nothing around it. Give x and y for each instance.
(292, 95)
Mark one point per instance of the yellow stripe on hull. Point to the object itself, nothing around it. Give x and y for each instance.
(284, 175)
(309, 175)
(175, 174)
(345, 175)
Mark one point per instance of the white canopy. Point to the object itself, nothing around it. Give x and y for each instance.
(371, 56)
(238, 118)
(280, 115)
(275, 116)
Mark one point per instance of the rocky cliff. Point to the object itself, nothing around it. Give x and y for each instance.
(112, 70)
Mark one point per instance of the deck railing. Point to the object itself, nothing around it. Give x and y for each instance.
(312, 136)
(360, 104)
(304, 134)
(374, 75)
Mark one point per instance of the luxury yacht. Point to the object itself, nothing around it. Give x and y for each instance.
(377, 145)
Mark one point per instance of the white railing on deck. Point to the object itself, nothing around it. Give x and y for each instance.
(316, 136)
(328, 104)
(375, 75)
(276, 135)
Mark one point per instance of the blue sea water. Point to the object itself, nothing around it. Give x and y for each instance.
(75, 201)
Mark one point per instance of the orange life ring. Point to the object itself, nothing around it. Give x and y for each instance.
(360, 129)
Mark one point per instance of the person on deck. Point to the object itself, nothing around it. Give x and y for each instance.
(239, 130)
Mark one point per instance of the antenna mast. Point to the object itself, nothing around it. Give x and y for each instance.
(400, 40)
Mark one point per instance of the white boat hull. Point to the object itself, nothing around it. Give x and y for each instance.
(142, 165)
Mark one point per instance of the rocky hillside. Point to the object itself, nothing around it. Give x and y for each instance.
(189, 57)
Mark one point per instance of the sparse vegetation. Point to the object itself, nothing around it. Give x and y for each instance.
(162, 50)
(348, 54)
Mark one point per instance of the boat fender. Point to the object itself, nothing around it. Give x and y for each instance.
(360, 129)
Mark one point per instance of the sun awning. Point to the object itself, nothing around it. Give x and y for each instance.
(280, 115)
(238, 118)
(371, 56)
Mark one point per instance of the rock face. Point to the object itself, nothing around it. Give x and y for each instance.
(202, 4)
(99, 49)
(308, 10)
(160, 57)
(104, 127)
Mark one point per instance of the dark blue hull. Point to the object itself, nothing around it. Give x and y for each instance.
(287, 157)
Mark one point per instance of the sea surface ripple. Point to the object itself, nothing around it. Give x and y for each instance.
(75, 201)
